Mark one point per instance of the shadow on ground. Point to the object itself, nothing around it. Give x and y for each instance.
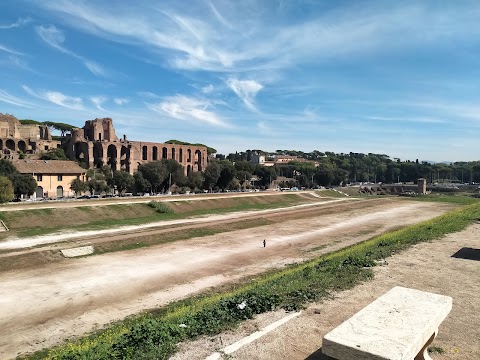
(467, 254)
(317, 355)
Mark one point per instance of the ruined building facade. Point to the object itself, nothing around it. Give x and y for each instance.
(96, 144)
(17, 138)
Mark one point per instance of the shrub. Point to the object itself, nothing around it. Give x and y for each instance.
(160, 207)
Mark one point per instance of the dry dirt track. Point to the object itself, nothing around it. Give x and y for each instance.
(427, 266)
(42, 307)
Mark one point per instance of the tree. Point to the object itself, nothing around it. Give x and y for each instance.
(266, 174)
(6, 189)
(195, 180)
(141, 185)
(78, 186)
(212, 173)
(54, 154)
(63, 128)
(155, 172)
(7, 168)
(24, 184)
(227, 174)
(175, 173)
(123, 181)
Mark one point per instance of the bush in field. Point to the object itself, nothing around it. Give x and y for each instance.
(160, 207)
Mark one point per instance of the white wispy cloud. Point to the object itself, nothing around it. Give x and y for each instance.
(121, 101)
(13, 100)
(243, 36)
(56, 97)
(9, 50)
(188, 108)
(55, 38)
(246, 90)
(20, 22)
(98, 101)
(207, 89)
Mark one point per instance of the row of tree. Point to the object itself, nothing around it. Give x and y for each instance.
(334, 169)
(168, 175)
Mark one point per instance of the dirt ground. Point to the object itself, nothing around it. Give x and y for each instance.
(42, 307)
(428, 267)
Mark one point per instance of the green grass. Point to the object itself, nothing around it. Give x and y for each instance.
(452, 199)
(155, 335)
(161, 212)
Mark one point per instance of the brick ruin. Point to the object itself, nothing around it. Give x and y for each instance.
(16, 138)
(97, 145)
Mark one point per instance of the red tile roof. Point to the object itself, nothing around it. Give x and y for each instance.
(48, 167)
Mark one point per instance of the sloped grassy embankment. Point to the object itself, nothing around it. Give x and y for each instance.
(34, 222)
(155, 335)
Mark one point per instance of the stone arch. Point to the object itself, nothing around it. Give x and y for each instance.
(81, 152)
(189, 155)
(144, 152)
(59, 191)
(125, 159)
(112, 157)
(39, 192)
(180, 155)
(164, 153)
(22, 146)
(198, 160)
(154, 153)
(173, 153)
(98, 155)
(10, 144)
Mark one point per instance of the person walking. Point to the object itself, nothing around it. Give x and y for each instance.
(264, 242)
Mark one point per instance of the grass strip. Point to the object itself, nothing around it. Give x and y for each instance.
(155, 335)
(123, 218)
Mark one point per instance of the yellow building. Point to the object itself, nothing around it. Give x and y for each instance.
(53, 176)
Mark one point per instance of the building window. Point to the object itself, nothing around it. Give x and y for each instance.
(46, 147)
(39, 177)
(59, 177)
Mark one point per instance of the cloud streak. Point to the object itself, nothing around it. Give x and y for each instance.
(13, 100)
(58, 98)
(244, 43)
(20, 22)
(188, 108)
(55, 38)
(246, 90)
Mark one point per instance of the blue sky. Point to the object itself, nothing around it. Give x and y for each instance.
(394, 77)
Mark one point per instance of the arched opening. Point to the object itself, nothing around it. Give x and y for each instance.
(98, 155)
(22, 146)
(189, 169)
(144, 153)
(59, 191)
(112, 157)
(1, 144)
(81, 152)
(189, 155)
(39, 192)
(155, 153)
(180, 155)
(125, 159)
(198, 160)
(10, 144)
(164, 153)
(173, 153)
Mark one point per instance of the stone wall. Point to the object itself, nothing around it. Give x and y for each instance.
(97, 145)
